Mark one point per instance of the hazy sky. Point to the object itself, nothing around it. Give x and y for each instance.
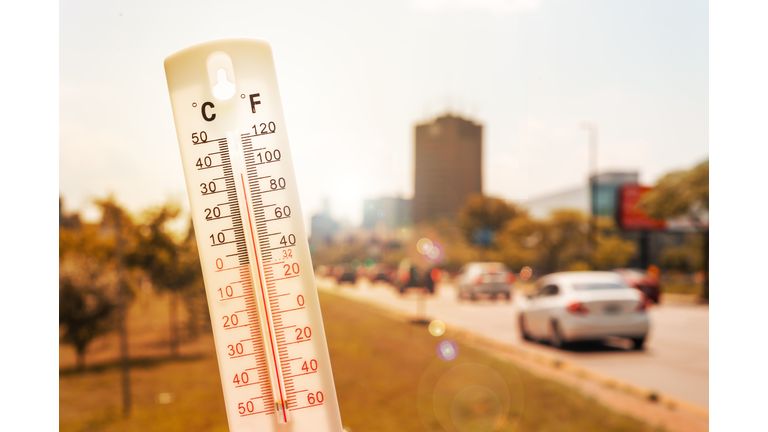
(356, 77)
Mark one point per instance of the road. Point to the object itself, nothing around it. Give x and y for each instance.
(675, 361)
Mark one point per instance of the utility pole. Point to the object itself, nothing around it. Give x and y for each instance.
(592, 168)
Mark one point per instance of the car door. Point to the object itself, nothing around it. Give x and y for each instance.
(547, 307)
(532, 312)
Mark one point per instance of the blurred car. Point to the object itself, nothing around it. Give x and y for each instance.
(493, 278)
(345, 273)
(584, 306)
(382, 273)
(407, 277)
(645, 281)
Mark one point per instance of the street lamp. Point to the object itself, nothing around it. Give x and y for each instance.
(592, 167)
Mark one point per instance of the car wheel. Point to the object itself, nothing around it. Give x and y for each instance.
(523, 331)
(556, 338)
(638, 344)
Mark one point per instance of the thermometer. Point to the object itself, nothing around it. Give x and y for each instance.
(267, 327)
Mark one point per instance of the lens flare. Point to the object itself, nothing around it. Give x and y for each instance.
(355, 264)
(369, 264)
(424, 246)
(447, 350)
(470, 397)
(435, 255)
(436, 328)
(477, 408)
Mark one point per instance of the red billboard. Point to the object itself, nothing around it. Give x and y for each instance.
(631, 216)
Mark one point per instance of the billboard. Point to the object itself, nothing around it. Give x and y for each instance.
(630, 216)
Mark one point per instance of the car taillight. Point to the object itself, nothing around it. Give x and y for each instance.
(405, 277)
(577, 308)
(477, 279)
(436, 275)
(510, 278)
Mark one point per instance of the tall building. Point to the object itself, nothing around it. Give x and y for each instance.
(323, 227)
(447, 166)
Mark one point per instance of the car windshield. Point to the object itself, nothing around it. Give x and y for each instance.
(598, 286)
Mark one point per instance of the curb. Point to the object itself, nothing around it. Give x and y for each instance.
(494, 347)
(580, 371)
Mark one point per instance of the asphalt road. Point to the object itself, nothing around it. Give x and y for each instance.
(675, 361)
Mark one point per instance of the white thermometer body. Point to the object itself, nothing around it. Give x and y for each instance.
(268, 330)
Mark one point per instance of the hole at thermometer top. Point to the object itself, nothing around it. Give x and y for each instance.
(223, 89)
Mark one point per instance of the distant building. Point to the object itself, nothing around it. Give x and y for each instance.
(605, 191)
(448, 163)
(602, 202)
(323, 227)
(387, 213)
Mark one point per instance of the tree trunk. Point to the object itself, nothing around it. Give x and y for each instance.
(80, 362)
(125, 377)
(173, 324)
(192, 317)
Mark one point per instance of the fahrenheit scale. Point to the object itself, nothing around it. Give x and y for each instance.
(267, 327)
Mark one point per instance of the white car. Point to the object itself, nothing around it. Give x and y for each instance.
(584, 306)
(480, 278)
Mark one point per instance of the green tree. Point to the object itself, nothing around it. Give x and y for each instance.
(554, 244)
(520, 242)
(564, 241)
(684, 193)
(163, 259)
(195, 299)
(118, 230)
(93, 288)
(482, 218)
(88, 300)
(611, 250)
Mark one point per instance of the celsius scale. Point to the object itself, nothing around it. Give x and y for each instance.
(267, 327)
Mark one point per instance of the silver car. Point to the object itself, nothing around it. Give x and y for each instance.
(584, 306)
(489, 278)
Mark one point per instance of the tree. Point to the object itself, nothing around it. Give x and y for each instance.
(684, 193)
(611, 250)
(118, 231)
(482, 217)
(556, 243)
(564, 241)
(88, 300)
(520, 242)
(195, 299)
(161, 257)
(680, 193)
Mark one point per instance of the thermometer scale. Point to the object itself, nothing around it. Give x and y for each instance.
(267, 327)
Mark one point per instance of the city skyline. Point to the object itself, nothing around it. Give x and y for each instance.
(353, 91)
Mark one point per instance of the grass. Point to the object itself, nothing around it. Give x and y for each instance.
(386, 371)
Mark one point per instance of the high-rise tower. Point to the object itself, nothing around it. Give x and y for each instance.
(447, 166)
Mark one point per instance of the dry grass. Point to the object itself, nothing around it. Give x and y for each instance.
(387, 376)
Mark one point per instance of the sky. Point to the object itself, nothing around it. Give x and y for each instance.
(357, 77)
